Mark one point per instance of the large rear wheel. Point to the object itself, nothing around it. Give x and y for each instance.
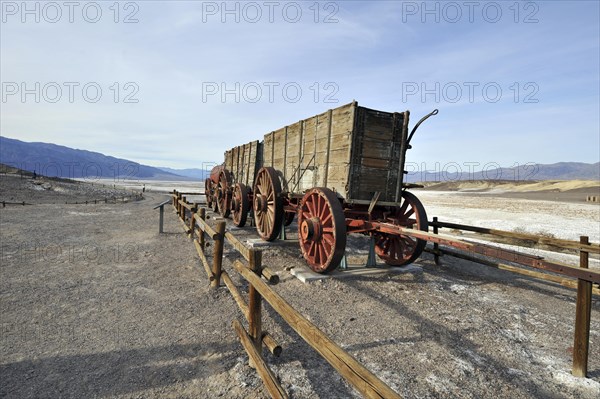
(321, 230)
(267, 204)
(399, 250)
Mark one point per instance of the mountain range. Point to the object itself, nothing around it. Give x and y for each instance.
(58, 161)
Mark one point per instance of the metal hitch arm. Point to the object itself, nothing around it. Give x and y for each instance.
(423, 119)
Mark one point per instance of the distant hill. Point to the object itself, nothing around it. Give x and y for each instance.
(194, 173)
(58, 161)
(555, 171)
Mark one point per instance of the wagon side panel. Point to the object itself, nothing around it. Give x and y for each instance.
(293, 156)
(340, 127)
(279, 150)
(268, 149)
(229, 160)
(377, 155)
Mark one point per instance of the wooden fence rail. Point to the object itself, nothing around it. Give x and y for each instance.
(260, 280)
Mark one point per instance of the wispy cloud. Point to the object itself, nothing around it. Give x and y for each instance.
(371, 51)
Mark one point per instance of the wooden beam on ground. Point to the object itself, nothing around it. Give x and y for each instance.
(265, 373)
(355, 373)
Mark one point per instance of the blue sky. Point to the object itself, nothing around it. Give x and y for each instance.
(179, 57)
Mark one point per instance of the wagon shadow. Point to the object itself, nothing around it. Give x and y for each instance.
(456, 343)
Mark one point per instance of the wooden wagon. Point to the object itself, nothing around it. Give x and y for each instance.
(338, 172)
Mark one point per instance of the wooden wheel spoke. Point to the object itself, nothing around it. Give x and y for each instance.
(329, 239)
(326, 219)
(403, 207)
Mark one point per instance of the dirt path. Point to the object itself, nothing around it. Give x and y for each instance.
(95, 303)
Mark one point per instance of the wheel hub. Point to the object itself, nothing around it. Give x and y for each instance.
(310, 229)
(260, 204)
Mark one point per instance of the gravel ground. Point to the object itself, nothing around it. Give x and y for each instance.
(95, 303)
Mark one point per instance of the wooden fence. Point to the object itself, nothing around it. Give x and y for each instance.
(260, 280)
(564, 275)
(581, 278)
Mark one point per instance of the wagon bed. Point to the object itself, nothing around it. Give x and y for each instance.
(354, 151)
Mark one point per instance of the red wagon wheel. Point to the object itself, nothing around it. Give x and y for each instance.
(321, 229)
(208, 192)
(240, 204)
(223, 193)
(268, 206)
(398, 250)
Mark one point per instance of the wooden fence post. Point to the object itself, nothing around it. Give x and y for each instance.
(218, 254)
(201, 232)
(436, 246)
(582, 318)
(192, 221)
(255, 302)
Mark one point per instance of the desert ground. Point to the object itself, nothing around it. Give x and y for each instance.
(94, 302)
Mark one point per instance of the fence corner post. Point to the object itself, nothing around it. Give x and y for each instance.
(582, 317)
